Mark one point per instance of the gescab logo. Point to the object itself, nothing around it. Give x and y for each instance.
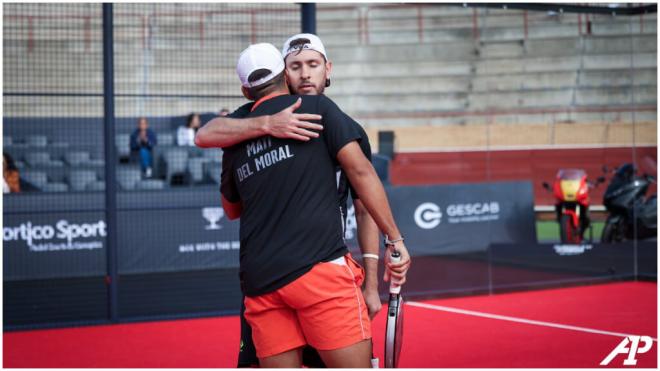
(428, 215)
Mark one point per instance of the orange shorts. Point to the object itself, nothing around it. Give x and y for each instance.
(323, 308)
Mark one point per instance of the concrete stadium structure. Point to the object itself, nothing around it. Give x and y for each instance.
(443, 78)
(389, 59)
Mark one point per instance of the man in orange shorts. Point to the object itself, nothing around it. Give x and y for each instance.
(308, 69)
(301, 285)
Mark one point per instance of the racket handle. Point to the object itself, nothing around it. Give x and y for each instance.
(395, 257)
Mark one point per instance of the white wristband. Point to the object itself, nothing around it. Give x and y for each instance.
(372, 256)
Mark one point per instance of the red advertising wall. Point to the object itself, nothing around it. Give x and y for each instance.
(537, 165)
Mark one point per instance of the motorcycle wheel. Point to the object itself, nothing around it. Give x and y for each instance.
(568, 232)
(608, 233)
(612, 232)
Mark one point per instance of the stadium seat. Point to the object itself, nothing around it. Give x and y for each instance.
(41, 159)
(175, 162)
(128, 178)
(196, 168)
(165, 139)
(158, 153)
(7, 141)
(95, 162)
(150, 184)
(215, 154)
(55, 187)
(59, 145)
(37, 140)
(37, 158)
(381, 164)
(77, 158)
(214, 172)
(79, 179)
(122, 142)
(96, 185)
(56, 174)
(35, 177)
(195, 151)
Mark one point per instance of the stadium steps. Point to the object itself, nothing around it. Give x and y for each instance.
(610, 78)
(618, 77)
(400, 103)
(401, 84)
(550, 66)
(565, 63)
(438, 52)
(387, 69)
(382, 122)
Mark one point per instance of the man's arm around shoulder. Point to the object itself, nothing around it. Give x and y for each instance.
(224, 131)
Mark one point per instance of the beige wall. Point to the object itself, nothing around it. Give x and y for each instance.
(481, 136)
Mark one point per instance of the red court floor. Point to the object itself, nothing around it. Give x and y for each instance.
(564, 327)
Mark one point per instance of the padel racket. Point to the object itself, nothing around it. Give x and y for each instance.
(394, 328)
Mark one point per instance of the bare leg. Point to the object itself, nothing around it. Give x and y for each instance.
(353, 356)
(290, 359)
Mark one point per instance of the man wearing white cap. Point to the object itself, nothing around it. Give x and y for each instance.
(308, 72)
(307, 65)
(300, 283)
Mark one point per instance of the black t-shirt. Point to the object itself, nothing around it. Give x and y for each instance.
(344, 186)
(290, 220)
(241, 111)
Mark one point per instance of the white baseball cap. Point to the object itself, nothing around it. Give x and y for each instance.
(257, 57)
(314, 44)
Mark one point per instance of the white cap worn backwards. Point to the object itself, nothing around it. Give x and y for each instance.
(257, 57)
(313, 44)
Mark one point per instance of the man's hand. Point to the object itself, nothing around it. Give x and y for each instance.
(397, 271)
(286, 124)
(372, 299)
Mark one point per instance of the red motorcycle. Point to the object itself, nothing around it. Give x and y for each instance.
(571, 191)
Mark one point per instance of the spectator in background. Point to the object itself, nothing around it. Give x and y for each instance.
(185, 136)
(143, 140)
(224, 112)
(11, 179)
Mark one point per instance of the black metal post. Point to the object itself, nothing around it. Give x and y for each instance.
(308, 15)
(110, 161)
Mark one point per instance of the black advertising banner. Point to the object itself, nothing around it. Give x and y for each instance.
(449, 219)
(166, 232)
(516, 265)
(50, 245)
(203, 238)
(177, 240)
